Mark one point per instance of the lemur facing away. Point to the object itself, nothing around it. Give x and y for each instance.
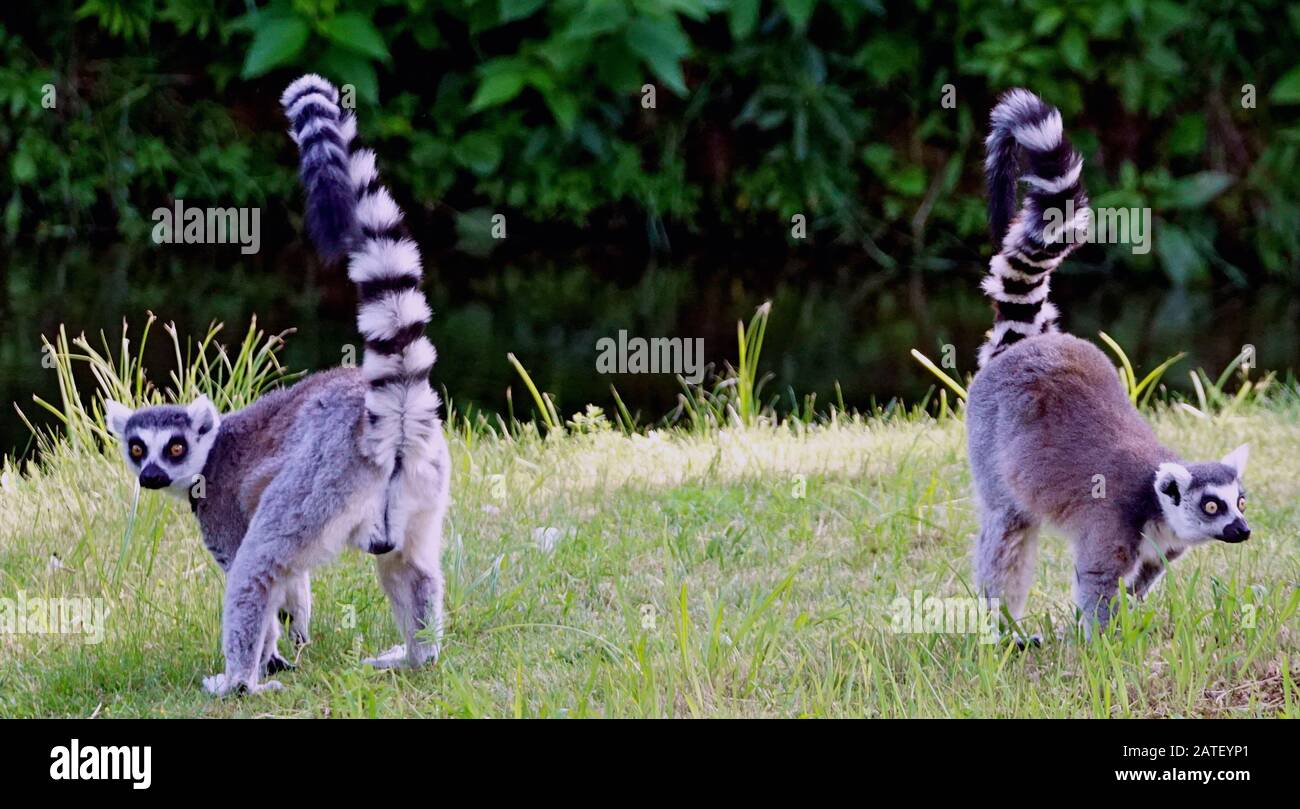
(1046, 413)
(345, 457)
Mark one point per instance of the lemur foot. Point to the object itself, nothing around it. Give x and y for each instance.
(219, 685)
(398, 657)
(377, 541)
(276, 664)
(391, 659)
(296, 633)
(1024, 642)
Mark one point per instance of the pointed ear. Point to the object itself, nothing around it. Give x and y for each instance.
(1237, 459)
(1172, 481)
(115, 417)
(203, 415)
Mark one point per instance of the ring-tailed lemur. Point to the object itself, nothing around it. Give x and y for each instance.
(1052, 435)
(344, 457)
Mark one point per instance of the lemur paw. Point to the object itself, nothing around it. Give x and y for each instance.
(398, 657)
(219, 685)
(297, 634)
(377, 541)
(276, 664)
(391, 659)
(1024, 642)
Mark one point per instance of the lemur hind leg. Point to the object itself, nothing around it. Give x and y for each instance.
(272, 662)
(406, 493)
(412, 578)
(1006, 552)
(296, 611)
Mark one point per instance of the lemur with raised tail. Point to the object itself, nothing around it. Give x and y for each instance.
(1046, 414)
(344, 457)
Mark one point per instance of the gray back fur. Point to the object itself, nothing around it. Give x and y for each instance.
(256, 444)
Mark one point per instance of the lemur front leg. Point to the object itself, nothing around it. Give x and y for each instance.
(1147, 573)
(254, 588)
(1103, 557)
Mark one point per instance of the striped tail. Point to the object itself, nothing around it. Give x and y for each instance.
(1052, 221)
(349, 211)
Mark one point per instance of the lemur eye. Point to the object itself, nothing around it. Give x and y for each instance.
(1241, 504)
(176, 450)
(1211, 507)
(137, 451)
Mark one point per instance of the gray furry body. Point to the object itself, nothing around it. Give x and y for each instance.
(266, 466)
(350, 456)
(1052, 435)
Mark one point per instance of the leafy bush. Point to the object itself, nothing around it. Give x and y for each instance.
(830, 108)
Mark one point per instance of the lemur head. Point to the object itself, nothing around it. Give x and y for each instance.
(166, 446)
(1204, 501)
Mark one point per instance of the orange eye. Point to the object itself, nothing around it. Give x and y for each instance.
(137, 451)
(1211, 507)
(1241, 504)
(176, 450)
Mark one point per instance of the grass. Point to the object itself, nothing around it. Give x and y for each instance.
(747, 569)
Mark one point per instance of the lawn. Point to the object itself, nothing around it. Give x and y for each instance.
(744, 571)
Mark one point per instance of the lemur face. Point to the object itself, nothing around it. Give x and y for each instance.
(1205, 501)
(166, 446)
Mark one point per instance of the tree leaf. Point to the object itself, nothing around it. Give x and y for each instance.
(357, 33)
(1196, 190)
(496, 89)
(661, 44)
(1181, 260)
(564, 107)
(910, 180)
(512, 10)
(345, 67)
(743, 19)
(1074, 48)
(276, 42)
(799, 12)
(1287, 89)
(479, 152)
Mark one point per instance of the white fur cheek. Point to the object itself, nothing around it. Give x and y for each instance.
(187, 478)
(1186, 525)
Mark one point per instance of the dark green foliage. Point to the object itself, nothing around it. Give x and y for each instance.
(763, 110)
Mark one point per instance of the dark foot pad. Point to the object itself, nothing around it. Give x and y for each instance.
(379, 547)
(1033, 641)
(277, 663)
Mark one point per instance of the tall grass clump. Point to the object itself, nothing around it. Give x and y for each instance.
(734, 396)
(231, 377)
(1212, 397)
